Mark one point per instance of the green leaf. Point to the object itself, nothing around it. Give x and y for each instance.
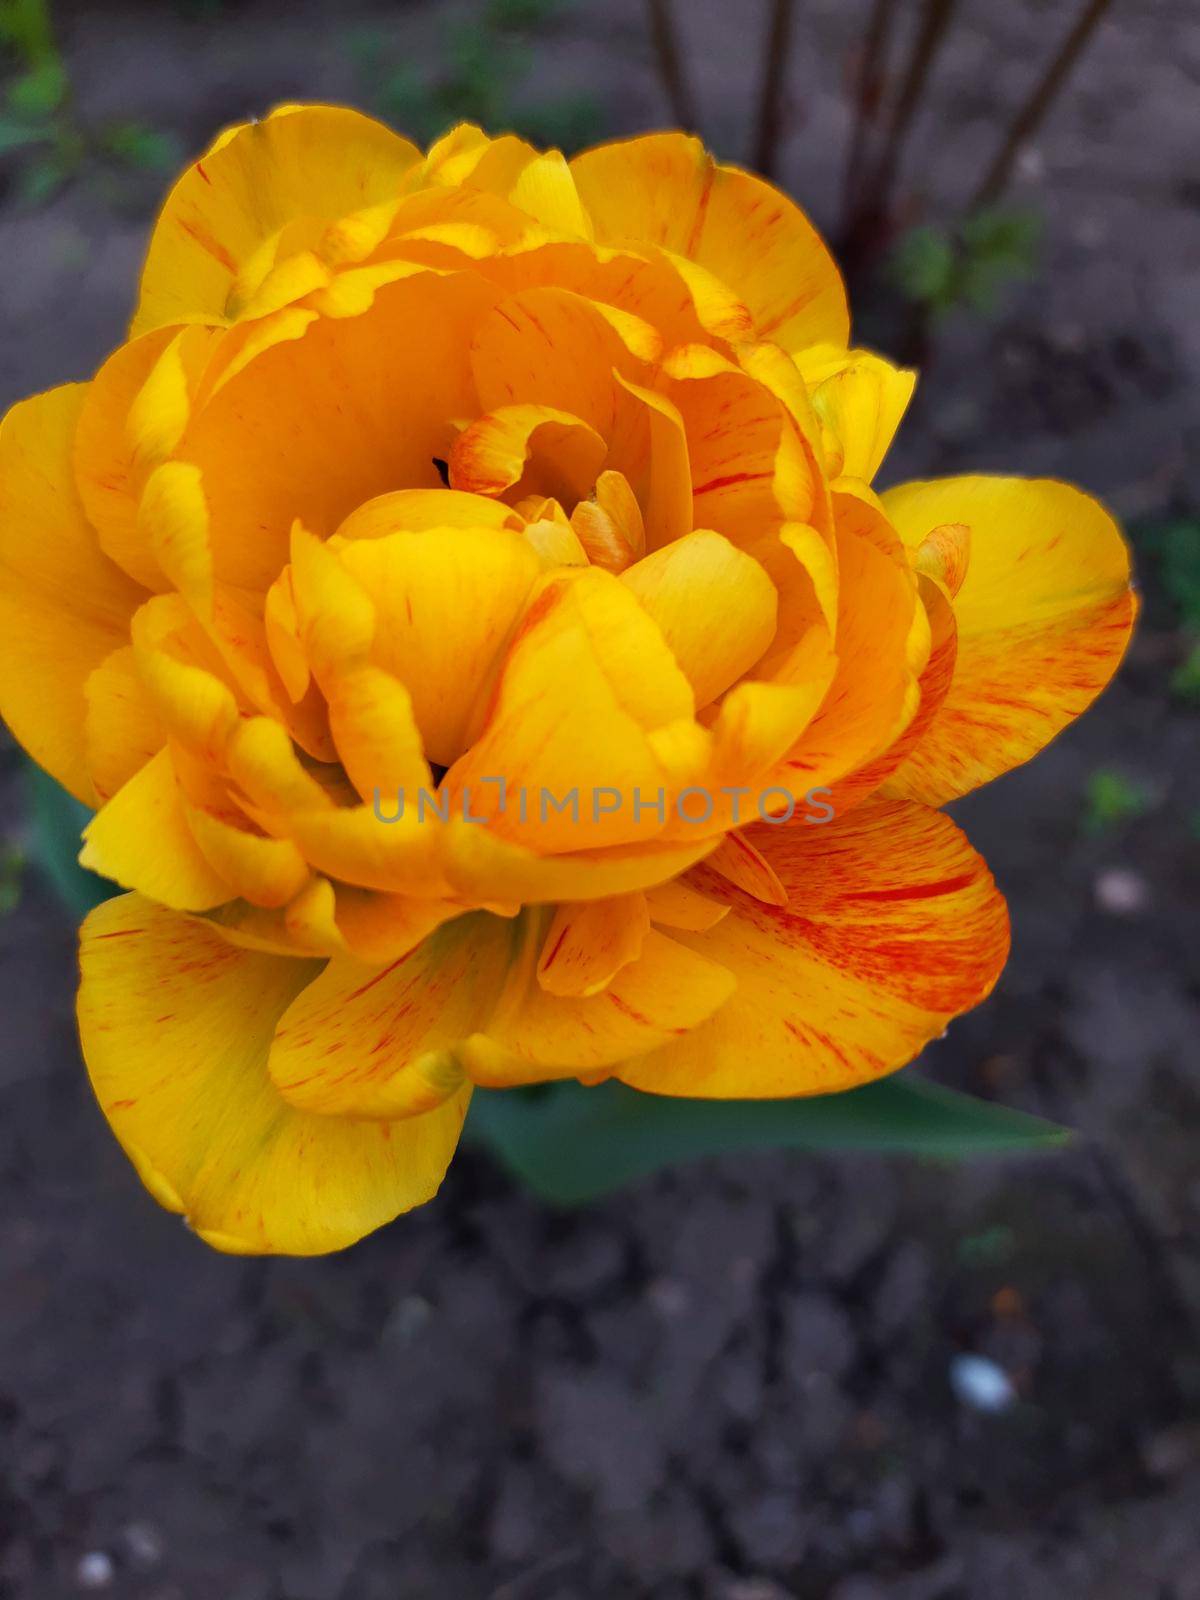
(138, 145)
(1181, 569)
(12, 868)
(569, 1143)
(39, 91)
(25, 26)
(16, 134)
(57, 819)
(1007, 239)
(41, 180)
(925, 266)
(1110, 800)
(1185, 680)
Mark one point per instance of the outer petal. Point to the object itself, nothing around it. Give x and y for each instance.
(1044, 614)
(302, 161)
(893, 926)
(381, 1043)
(665, 189)
(175, 1025)
(63, 606)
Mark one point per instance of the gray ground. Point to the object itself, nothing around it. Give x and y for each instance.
(731, 1383)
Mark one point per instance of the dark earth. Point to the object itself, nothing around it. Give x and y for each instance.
(732, 1382)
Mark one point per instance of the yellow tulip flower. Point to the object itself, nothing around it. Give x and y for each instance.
(463, 600)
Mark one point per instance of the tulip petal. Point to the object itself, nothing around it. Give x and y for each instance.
(380, 1042)
(588, 677)
(176, 1025)
(667, 990)
(665, 189)
(587, 944)
(64, 607)
(315, 426)
(714, 606)
(874, 695)
(554, 348)
(141, 839)
(266, 872)
(1043, 614)
(447, 600)
(532, 449)
(122, 728)
(861, 399)
(302, 161)
(893, 926)
(483, 867)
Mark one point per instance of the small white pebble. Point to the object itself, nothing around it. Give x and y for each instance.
(1092, 232)
(95, 1570)
(1121, 892)
(1031, 164)
(144, 1543)
(668, 1297)
(981, 1384)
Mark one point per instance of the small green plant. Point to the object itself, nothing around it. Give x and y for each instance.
(1180, 557)
(1185, 680)
(482, 78)
(12, 871)
(37, 115)
(1174, 550)
(991, 1247)
(1112, 799)
(969, 265)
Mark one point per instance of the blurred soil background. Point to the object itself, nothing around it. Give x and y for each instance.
(742, 1380)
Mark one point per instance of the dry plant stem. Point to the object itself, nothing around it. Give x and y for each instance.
(670, 65)
(771, 94)
(931, 31)
(872, 68)
(1031, 114)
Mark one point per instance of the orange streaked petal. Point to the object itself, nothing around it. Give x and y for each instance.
(176, 1024)
(539, 448)
(535, 1035)
(301, 161)
(736, 859)
(362, 1042)
(665, 189)
(587, 944)
(1044, 614)
(892, 927)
